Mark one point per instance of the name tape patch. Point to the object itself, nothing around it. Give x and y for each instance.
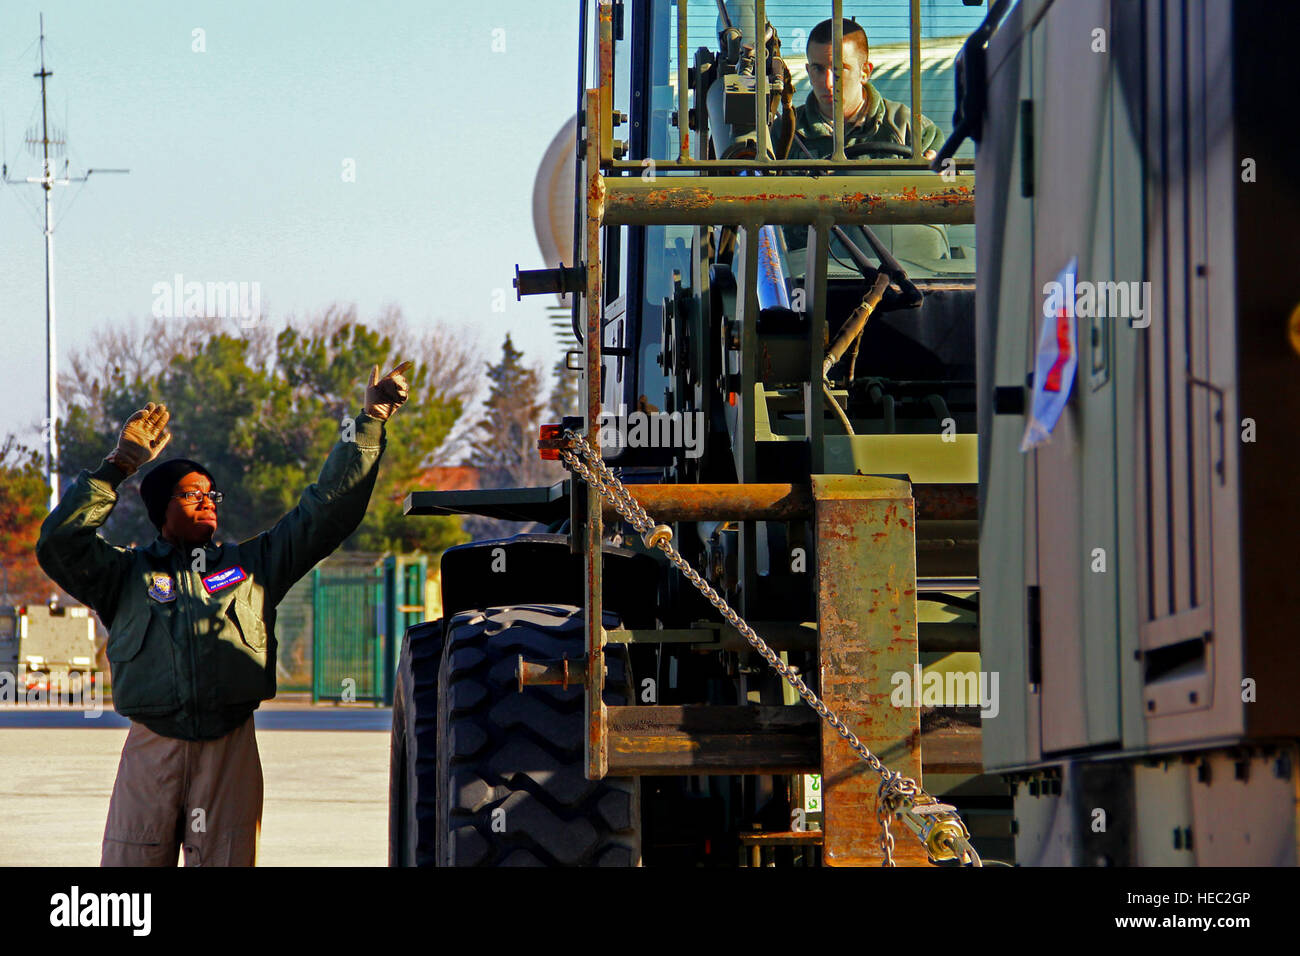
(223, 579)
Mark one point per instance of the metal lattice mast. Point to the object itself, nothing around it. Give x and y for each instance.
(47, 182)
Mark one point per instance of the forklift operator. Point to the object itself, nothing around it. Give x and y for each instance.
(191, 644)
(868, 116)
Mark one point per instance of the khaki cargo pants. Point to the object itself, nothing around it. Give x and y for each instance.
(204, 796)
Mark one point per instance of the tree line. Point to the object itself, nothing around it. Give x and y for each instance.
(261, 408)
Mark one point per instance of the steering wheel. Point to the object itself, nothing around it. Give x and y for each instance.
(858, 149)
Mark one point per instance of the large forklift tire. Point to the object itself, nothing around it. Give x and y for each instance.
(413, 761)
(512, 788)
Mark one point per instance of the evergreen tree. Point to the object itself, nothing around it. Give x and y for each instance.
(264, 429)
(505, 447)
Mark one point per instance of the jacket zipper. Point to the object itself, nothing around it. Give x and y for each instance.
(194, 687)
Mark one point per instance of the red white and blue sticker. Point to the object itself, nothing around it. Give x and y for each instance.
(1057, 359)
(223, 579)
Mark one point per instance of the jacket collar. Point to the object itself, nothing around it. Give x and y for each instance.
(161, 548)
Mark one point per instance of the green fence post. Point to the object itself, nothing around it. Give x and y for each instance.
(315, 635)
(383, 628)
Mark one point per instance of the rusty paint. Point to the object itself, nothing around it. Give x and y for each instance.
(562, 672)
(679, 198)
(770, 197)
(954, 195)
(596, 754)
(606, 30)
(703, 200)
(602, 130)
(860, 201)
(770, 263)
(865, 566)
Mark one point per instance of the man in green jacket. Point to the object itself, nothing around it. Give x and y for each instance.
(868, 116)
(192, 628)
(869, 119)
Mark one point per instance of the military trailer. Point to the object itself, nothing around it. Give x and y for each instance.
(1140, 616)
(47, 650)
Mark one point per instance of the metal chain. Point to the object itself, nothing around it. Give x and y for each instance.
(897, 794)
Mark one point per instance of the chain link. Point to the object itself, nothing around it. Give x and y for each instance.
(897, 794)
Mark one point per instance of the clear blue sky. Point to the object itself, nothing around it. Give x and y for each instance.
(236, 157)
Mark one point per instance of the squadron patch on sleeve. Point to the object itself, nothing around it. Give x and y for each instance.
(162, 589)
(223, 579)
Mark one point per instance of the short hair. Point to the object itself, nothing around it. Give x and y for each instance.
(824, 32)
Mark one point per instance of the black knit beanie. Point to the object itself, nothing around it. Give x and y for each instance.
(157, 487)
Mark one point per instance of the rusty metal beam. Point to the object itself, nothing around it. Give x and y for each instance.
(700, 739)
(952, 750)
(560, 673)
(944, 637)
(752, 502)
(782, 838)
(946, 502)
(799, 164)
(867, 627)
(779, 502)
(787, 200)
(594, 746)
(604, 130)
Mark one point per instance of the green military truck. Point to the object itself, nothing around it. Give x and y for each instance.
(881, 550)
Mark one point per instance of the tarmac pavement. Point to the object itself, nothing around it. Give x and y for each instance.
(325, 770)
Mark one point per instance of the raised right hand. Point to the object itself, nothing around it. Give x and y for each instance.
(144, 436)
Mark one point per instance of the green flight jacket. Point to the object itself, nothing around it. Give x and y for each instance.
(883, 121)
(192, 639)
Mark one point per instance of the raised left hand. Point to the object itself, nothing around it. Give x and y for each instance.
(386, 395)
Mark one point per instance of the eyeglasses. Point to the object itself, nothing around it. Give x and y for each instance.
(194, 497)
